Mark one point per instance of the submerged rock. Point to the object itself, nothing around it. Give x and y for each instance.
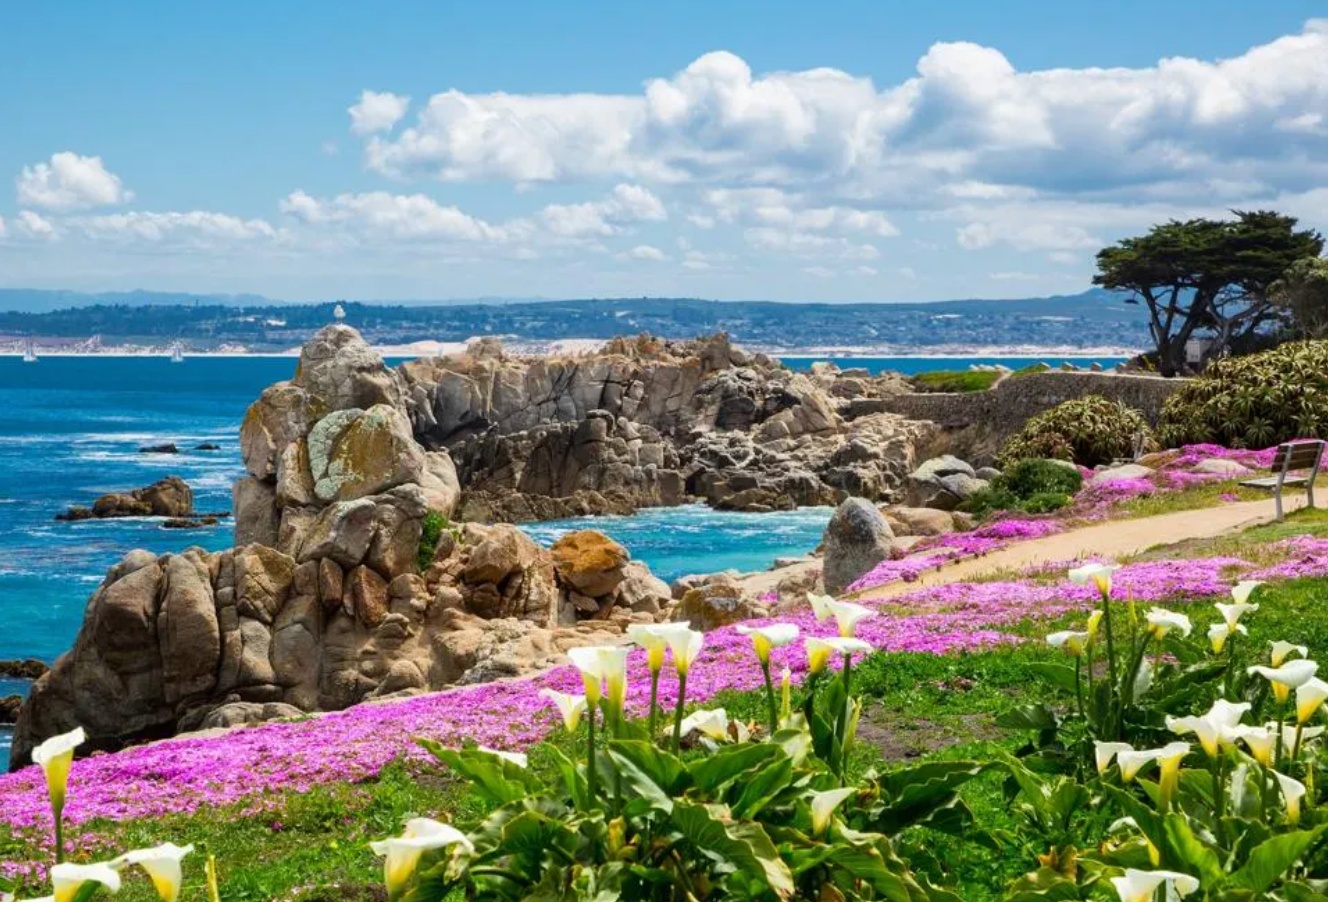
(169, 497)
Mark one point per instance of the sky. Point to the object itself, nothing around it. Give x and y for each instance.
(836, 151)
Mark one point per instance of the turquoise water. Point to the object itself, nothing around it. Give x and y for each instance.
(914, 365)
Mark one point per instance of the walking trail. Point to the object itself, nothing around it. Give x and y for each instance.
(1114, 539)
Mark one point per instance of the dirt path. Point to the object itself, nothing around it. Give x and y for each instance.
(1113, 540)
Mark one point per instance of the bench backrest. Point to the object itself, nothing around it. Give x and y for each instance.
(1298, 456)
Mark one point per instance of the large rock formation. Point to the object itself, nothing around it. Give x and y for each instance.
(169, 497)
(856, 540)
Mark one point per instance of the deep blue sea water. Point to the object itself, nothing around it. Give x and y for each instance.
(71, 427)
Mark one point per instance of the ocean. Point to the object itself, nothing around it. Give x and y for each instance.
(71, 429)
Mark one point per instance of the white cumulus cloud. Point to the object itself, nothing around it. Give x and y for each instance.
(70, 182)
(626, 204)
(378, 214)
(377, 111)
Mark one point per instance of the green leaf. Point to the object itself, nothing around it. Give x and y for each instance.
(1028, 717)
(1058, 675)
(1300, 892)
(1183, 851)
(1270, 859)
(708, 774)
(497, 779)
(745, 846)
(663, 768)
(915, 794)
(639, 782)
(763, 787)
(573, 779)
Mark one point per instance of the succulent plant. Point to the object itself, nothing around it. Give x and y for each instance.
(1090, 430)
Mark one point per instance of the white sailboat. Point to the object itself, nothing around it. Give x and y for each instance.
(177, 353)
(29, 352)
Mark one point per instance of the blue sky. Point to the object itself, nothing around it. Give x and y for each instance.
(841, 151)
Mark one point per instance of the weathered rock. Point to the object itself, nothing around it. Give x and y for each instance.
(169, 497)
(189, 637)
(365, 596)
(497, 552)
(340, 371)
(25, 669)
(1125, 471)
(282, 414)
(922, 521)
(240, 714)
(442, 489)
(255, 506)
(164, 448)
(1224, 467)
(943, 483)
(717, 602)
(10, 705)
(590, 562)
(856, 540)
(643, 592)
(354, 453)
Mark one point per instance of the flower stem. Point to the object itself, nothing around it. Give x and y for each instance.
(1219, 798)
(770, 697)
(677, 711)
(590, 755)
(1281, 720)
(1295, 749)
(654, 697)
(1078, 687)
(59, 834)
(841, 720)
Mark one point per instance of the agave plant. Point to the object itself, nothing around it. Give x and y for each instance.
(1090, 430)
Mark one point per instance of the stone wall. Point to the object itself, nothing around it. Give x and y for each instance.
(977, 423)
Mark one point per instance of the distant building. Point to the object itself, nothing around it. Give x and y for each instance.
(1196, 349)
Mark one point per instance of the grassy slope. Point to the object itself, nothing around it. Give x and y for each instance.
(313, 846)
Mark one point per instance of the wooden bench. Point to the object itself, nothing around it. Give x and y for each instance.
(1292, 458)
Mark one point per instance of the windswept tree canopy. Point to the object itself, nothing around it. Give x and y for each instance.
(1206, 275)
(1302, 293)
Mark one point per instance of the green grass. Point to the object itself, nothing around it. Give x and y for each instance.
(955, 381)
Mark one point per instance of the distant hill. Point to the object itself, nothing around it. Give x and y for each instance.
(1092, 319)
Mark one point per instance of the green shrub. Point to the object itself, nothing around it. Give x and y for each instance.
(1036, 476)
(1253, 401)
(955, 381)
(1045, 502)
(1090, 430)
(435, 524)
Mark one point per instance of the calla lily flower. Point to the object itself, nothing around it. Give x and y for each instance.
(67, 879)
(571, 707)
(655, 638)
(1132, 761)
(402, 853)
(1291, 675)
(1169, 758)
(818, 655)
(1309, 698)
(603, 670)
(764, 638)
(1143, 680)
(1219, 633)
(517, 758)
(1215, 730)
(56, 757)
(1097, 574)
(1292, 792)
(1163, 621)
(1241, 591)
(846, 645)
(713, 723)
(162, 864)
(823, 806)
(846, 614)
(1231, 613)
(1261, 742)
(1074, 643)
(685, 646)
(1094, 623)
(1139, 886)
(1282, 650)
(1104, 752)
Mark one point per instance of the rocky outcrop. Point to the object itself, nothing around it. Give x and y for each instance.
(943, 483)
(169, 642)
(22, 669)
(856, 540)
(169, 497)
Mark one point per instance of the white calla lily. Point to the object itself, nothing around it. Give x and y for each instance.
(1310, 696)
(823, 805)
(1139, 886)
(1216, 729)
(846, 614)
(713, 722)
(1282, 650)
(656, 638)
(1099, 575)
(685, 646)
(570, 706)
(402, 853)
(1293, 736)
(1231, 613)
(1219, 633)
(1241, 591)
(1292, 792)
(1071, 641)
(1163, 621)
(765, 638)
(55, 756)
(1104, 752)
(603, 670)
(1143, 680)
(1132, 761)
(67, 879)
(1261, 742)
(1291, 675)
(846, 645)
(162, 865)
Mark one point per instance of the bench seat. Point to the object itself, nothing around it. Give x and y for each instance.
(1270, 482)
(1289, 467)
